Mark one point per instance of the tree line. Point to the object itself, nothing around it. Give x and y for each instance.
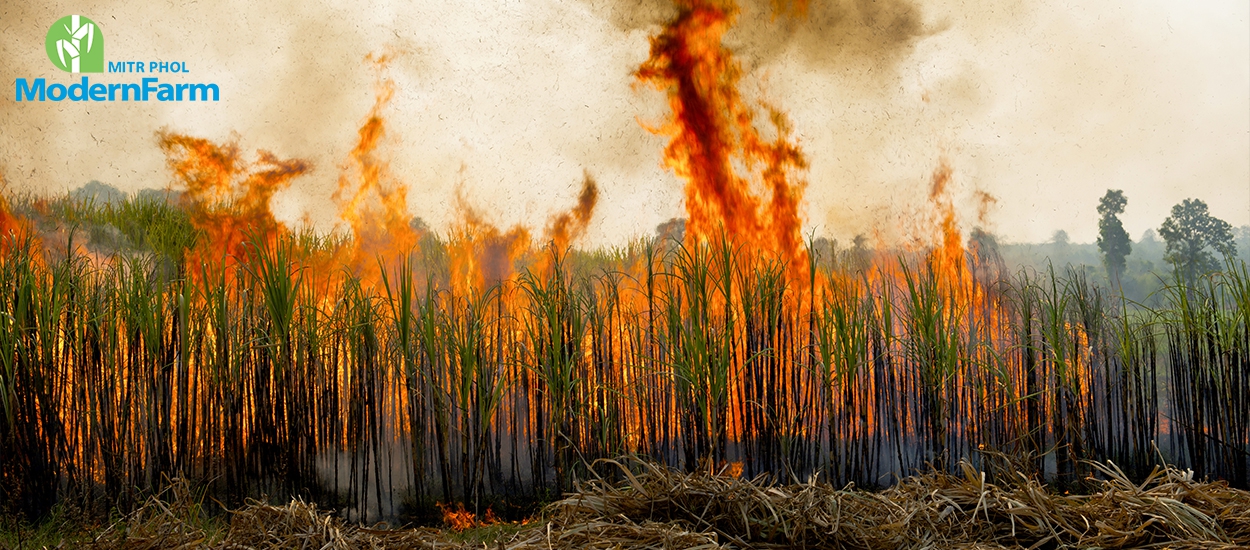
(1192, 236)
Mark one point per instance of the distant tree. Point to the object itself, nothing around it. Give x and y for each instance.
(860, 242)
(1060, 238)
(824, 250)
(1148, 248)
(861, 253)
(1058, 248)
(98, 194)
(1189, 232)
(1242, 236)
(1113, 240)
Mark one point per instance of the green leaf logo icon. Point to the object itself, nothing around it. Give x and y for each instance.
(75, 44)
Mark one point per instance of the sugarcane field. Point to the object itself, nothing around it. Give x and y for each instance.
(656, 274)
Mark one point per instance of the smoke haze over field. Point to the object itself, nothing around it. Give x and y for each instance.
(1043, 105)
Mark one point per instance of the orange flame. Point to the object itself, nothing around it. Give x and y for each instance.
(12, 227)
(227, 197)
(949, 255)
(483, 254)
(712, 132)
(370, 201)
(568, 226)
(460, 519)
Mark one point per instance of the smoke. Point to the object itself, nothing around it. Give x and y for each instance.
(825, 35)
(1043, 105)
(291, 77)
(833, 34)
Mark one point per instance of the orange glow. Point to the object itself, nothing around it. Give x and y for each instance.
(566, 227)
(713, 353)
(950, 251)
(482, 254)
(227, 197)
(714, 135)
(371, 202)
(459, 519)
(12, 227)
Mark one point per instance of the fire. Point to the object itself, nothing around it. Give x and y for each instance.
(226, 196)
(12, 227)
(702, 353)
(483, 254)
(372, 203)
(568, 226)
(713, 133)
(9, 223)
(228, 199)
(459, 519)
(729, 469)
(949, 256)
(950, 252)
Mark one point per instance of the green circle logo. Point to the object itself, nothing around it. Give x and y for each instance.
(76, 45)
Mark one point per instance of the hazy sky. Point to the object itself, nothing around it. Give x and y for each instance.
(1042, 104)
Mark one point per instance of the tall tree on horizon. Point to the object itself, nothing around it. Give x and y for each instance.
(1113, 240)
(1189, 231)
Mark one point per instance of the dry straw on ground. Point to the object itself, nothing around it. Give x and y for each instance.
(935, 510)
(660, 508)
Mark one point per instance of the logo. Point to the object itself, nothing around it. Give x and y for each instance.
(76, 45)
